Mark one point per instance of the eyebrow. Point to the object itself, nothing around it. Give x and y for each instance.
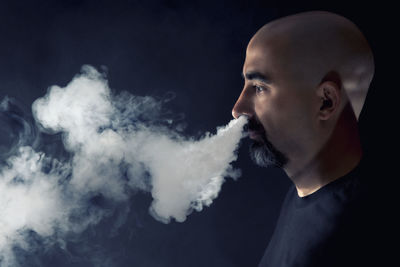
(254, 75)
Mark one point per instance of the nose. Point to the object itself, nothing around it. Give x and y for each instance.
(243, 106)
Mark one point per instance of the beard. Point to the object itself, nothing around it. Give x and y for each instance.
(262, 152)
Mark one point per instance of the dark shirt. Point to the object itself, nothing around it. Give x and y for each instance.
(334, 226)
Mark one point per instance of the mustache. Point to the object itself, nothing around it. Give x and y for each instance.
(254, 125)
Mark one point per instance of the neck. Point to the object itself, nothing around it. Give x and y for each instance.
(341, 153)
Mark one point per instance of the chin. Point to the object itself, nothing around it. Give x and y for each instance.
(264, 154)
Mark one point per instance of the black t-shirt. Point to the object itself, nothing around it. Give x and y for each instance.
(338, 225)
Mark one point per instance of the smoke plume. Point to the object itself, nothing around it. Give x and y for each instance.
(116, 144)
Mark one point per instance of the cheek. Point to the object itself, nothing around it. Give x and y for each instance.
(272, 107)
(269, 112)
(283, 118)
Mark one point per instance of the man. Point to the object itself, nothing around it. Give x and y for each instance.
(306, 77)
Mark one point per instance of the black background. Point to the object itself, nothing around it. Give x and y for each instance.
(195, 49)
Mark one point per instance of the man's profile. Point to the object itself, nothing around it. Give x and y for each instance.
(306, 77)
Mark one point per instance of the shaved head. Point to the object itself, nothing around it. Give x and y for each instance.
(306, 77)
(316, 46)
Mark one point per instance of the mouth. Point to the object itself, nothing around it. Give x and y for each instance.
(256, 134)
(255, 130)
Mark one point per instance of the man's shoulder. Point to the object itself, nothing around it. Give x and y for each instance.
(342, 225)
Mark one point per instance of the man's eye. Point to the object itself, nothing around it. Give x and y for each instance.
(259, 89)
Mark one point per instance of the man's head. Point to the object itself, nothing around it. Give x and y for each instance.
(302, 73)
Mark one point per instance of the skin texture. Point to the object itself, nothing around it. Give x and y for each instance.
(306, 77)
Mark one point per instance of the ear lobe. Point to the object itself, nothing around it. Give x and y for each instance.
(329, 95)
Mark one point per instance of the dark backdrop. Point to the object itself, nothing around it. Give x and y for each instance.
(195, 49)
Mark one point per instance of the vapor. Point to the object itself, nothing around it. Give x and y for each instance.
(117, 144)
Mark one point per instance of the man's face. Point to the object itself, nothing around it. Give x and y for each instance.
(277, 106)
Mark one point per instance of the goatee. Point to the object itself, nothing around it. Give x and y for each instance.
(262, 152)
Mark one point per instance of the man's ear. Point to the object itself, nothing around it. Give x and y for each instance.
(328, 94)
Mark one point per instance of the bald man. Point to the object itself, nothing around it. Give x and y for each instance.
(306, 77)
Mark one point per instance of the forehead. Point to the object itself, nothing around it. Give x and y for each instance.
(260, 57)
(272, 56)
(255, 67)
(255, 59)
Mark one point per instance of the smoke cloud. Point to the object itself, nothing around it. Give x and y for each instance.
(116, 144)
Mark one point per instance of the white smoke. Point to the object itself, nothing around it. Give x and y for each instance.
(116, 148)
